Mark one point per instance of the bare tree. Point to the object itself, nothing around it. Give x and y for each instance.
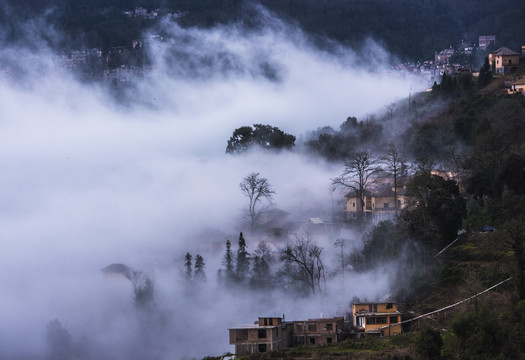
(357, 175)
(256, 188)
(142, 289)
(303, 261)
(394, 167)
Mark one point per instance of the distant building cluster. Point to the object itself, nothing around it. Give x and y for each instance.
(502, 61)
(143, 13)
(274, 333)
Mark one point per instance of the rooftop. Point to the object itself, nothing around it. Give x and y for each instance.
(504, 51)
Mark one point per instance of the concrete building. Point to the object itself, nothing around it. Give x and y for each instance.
(318, 331)
(379, 204)
(269, 333)
(504, 61)
(274, 333)
(376, 319)
(485, 41)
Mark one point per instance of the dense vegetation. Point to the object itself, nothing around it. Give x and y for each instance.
(478, 138)
(410, 29)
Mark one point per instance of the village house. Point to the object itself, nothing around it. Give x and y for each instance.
(484, 41)
(517, 86)
(376, 319)
(269, 333)
(379, 204)
(274, 333)
(504, 61)
(442, 57)
(318, 331)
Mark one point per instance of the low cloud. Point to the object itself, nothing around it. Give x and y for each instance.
(87, 181)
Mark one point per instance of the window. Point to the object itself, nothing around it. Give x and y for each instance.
(370, 308)
(312, 327)
(389, 306)
(241, 335)
(387, 205)
(375, 307)
(329, 340)
(393, 319)
(262, 334)
(312, 340)
(265, 321)
(299, 327)
(381, 320)
(262, 347)
(353, 204)
(299, 339)
(329, 327)
(370, 321)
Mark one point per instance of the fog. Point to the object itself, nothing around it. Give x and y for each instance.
(88, 180)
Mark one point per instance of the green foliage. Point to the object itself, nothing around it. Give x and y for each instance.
(261, 272)
(264, 136)
(188, 271)
(429, 344)
(485, 75)
(438, 209)
(229, 273)
(339, 145)
(479, 334)
(199, 273)
(382, 244)
(242, 267)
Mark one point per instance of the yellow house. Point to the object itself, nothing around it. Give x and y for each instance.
(378, 205)
(504, 61)
(377, 319)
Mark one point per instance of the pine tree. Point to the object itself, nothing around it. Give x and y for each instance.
(243, 261)
(229, 274)
(485, 75)
(188, 272)
(199, 274)
(261, 275)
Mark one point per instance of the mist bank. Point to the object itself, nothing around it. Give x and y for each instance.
(88, 181)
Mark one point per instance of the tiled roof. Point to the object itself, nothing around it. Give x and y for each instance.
(504, 51)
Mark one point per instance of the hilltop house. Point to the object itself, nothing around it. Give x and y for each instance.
(504, 61)
(379, 204)
(517, 86)
(275, 334)
(376, 319)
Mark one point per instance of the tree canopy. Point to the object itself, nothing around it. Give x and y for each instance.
(264, 136)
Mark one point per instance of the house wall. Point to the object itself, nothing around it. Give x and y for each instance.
(504, 64)
(318, 331)
(377, 317)
(247, 340)
(381, 308)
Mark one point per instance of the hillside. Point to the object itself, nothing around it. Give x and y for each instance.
(409, 29)
(488, 127)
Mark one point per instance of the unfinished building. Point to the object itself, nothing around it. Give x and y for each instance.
(274, 333)
(269, 333)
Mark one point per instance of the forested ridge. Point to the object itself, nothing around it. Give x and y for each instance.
(409, 29)
(479, 138)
